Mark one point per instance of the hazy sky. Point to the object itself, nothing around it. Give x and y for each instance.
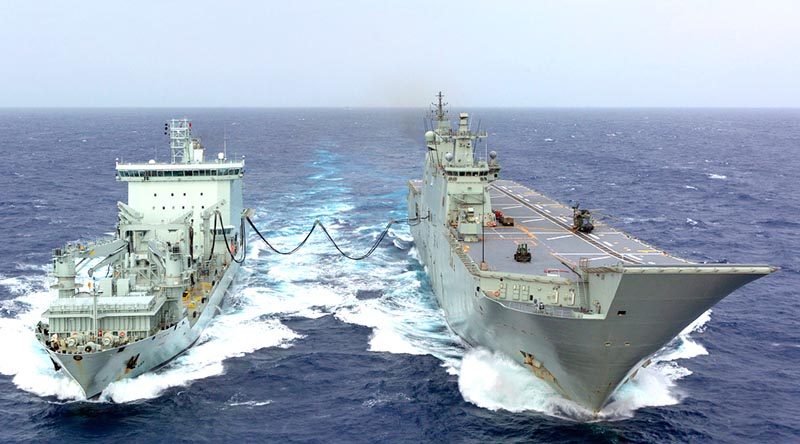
(399, 53)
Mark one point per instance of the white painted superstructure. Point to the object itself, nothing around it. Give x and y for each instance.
(131, 303)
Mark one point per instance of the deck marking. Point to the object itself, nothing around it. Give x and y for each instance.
(608, 244)
(511, 208)
(532, 220)
(601, 257)
(539, 209)
(594, 236)
(559, 237)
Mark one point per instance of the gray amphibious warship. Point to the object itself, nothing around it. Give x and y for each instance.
(583, 305)
(144, 296)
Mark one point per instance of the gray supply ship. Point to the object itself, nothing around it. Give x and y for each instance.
(129, 304)
(582, 304)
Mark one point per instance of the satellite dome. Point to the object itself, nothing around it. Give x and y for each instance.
(493, 154)
(221, 156)
(448, 157)
(429, 136)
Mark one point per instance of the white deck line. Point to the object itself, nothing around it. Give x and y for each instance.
(511, 208)
(559, 237)
(595, 239)
(587, 241)
(600, 257)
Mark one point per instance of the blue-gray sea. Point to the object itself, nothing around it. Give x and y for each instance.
(315, 348)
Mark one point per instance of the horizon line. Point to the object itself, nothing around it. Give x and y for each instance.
(345, 107)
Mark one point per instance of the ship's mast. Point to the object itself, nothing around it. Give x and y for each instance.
(180, 140)
(438, 115)
(439, 105)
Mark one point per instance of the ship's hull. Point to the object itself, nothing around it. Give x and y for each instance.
(95, 371)
(583, 359)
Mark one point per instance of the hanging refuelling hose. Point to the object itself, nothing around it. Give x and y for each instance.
(317, 223)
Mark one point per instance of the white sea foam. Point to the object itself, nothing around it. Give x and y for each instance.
(717, 176)
(30, 368)
(231, 335)
(250, 403)
(493, 381)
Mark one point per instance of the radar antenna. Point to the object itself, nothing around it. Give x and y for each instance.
(439, 112)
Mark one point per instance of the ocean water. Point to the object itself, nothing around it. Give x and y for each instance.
(315, 348)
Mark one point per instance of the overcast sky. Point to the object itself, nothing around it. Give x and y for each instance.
(399, 53)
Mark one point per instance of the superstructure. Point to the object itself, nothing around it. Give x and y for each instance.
(132, 302)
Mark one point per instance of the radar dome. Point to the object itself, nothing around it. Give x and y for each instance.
(429, 136)
(151, 161)
(221, 156)
(448, 157)
(493, 154)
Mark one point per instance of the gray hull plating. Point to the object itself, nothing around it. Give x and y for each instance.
(587, 358)
(95, 371)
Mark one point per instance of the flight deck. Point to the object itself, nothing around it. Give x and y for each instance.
(546, 226)
(556, 249)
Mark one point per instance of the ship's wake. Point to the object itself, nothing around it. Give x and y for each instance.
(388, 292)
